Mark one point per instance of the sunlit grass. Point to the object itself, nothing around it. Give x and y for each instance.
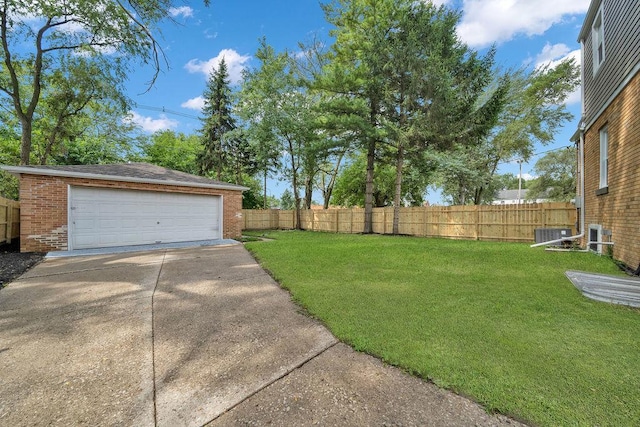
(499, 322)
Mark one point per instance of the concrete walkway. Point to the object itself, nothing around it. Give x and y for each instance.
(192, 336)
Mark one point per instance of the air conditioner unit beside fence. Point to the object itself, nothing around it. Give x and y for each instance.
(548, 234)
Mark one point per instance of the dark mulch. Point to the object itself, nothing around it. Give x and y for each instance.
(13, 263)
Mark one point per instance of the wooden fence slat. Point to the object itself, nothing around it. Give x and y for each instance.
(513, 223)
(9, 220)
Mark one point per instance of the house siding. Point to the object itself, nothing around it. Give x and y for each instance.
(43, 202)
(619, 209)
(622, 53)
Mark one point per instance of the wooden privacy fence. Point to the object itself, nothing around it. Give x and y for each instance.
(514, 223)
(9, 220)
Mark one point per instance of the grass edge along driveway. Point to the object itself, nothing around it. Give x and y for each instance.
(498, 322)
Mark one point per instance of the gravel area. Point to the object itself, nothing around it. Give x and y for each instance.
(13, 263)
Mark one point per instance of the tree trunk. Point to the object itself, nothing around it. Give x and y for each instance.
(25, 140)
(296, 192)
(368, 189)
(49, 147)
(397, 200)
(371, 158)
(296, 198)
(308, 192)
(265, 189)
(332, 182)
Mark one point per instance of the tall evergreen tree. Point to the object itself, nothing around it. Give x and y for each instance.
(216, 123)
(404, 82)
(437, 89)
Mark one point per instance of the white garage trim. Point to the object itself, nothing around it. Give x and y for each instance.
(107, 217)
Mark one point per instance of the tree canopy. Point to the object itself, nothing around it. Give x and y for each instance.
(394, 104)
(556, 179)
(48, 45)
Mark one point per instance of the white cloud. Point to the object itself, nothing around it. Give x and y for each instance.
(184, 11)
(196, 103)
(235, 64)
(149, 124)
(208, 34)
(440, 2)
(552, 55)
(528, 176)
(495, 21)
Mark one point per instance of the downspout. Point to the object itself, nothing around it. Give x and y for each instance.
(582, 215)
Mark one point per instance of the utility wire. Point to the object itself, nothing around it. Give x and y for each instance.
(164, 110)
(190, 116)
(504, 162)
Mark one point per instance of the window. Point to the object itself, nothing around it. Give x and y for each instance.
(604, 157)
(597, 40)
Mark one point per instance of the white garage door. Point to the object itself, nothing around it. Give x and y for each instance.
(107, 217)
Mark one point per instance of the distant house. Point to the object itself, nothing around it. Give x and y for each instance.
(514, 197)
(609, 134)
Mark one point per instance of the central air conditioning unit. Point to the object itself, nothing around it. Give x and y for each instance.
(548, 234)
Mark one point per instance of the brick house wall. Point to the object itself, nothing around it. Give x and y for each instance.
(619, 209)
(43, 207)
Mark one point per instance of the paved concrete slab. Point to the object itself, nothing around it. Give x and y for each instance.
(75, 346)
(140, 248)
(186, 337)
(341, 387)
(223, 330)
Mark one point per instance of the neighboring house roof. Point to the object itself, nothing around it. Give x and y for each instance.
(511, 194)
(127, 172)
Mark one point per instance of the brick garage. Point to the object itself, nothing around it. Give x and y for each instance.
(45, 210)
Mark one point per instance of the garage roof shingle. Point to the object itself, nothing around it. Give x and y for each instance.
(130, 172)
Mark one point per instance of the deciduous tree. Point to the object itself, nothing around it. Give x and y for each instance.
(36, 34)
(173, 150)
(556, 180)
(278, 110)
(534, 113)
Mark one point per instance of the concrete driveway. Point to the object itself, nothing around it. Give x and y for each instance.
(196, 336)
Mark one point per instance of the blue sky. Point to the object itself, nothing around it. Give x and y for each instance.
(526, 32)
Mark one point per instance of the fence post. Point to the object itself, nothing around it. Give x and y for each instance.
(9, 227)
(476, 218)
(351, 221)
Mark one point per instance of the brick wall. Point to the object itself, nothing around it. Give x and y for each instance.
(619, 209)
(43, 214)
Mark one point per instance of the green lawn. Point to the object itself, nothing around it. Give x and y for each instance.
(498, 322)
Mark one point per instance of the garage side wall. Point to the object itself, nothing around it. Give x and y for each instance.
(43, 213)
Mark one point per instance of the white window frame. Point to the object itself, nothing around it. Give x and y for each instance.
(597, 41)
(604, 157)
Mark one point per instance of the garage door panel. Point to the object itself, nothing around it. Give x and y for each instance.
(110, 217)
(109, 224)
(129, 223)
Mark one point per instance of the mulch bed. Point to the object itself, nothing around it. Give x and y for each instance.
(13, 263)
